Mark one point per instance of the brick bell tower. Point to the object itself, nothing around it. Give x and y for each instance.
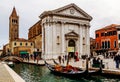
(13, 26)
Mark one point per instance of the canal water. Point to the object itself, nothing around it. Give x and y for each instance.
(33, 73)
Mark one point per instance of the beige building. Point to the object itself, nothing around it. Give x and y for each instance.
(17, 46)
(22, 46)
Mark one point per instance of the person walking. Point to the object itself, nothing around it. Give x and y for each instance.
(63, 59)
(59, 58)
(117, 60)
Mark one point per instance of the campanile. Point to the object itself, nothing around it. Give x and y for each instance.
(13, 26)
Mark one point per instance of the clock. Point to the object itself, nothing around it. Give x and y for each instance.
(72, 11)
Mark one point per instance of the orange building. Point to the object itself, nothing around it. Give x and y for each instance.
(108, 40)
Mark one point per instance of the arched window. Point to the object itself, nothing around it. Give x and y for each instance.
(15, 43)
(105, 44)
(20, 43)
(71, 43)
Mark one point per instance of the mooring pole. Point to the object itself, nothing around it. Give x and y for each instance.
(87, 66)
(101, 63)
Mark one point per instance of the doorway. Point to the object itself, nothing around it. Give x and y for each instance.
(71, 46)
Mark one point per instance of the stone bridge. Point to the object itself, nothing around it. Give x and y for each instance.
(12, 58)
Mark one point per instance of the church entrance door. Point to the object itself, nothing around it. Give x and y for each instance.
(71, 48)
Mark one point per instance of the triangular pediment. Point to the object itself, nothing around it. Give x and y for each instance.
(72, 33)
(71, 10)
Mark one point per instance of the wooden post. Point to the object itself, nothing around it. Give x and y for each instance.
(87, 65)
(101, 63)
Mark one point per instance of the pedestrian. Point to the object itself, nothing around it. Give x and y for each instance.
(28, 57)
(34, 57)
(63, 59)
(59, 58)
(31, 57)
(117, 60)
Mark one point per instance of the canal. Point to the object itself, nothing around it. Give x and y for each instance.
(34, 73)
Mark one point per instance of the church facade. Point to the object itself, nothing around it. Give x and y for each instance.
(65, 31)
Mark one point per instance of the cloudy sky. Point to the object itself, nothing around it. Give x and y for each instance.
(104, 12)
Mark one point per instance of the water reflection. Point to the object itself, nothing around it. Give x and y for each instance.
(33, 73)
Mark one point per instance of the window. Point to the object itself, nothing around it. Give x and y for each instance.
(114, 44)
(58, 40)
(106, 34)
(26, 44)
(114, 32)
(119, 36)
(97, 35)
(31, 44)
(14, 21)
(20, 44)
(102, 34)
(102, 44)
(15, 43)
(105, 44)
(119, 45)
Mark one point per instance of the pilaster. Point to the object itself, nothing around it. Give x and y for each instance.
(63, 38)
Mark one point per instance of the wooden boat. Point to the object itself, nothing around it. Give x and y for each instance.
(90, 72)
(10, 63)
(78, 73)
(70, 74)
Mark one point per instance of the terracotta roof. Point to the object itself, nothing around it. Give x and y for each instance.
(21, 39)
(14, 13)
(109, 26)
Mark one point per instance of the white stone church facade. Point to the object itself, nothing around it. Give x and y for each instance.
(65, 31)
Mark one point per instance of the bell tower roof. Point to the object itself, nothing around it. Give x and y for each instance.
(14, 13)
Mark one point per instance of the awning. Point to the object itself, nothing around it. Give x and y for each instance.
(23, 52)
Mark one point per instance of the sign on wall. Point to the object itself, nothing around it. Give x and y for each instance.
(70, 49)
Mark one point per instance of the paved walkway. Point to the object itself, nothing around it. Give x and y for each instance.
(8, 75)
(5, 75)
(109, 63)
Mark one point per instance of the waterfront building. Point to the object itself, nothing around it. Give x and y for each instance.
(108, 40)
(22, 46)
(6, 49)
(65, 31)
(1, 52)
(35, 35)
(92, 47)
(16, 45)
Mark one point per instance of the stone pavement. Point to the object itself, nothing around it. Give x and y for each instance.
(5, 75)
(8, 75)
(109, 63)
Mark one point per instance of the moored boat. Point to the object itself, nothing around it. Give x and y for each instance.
(73, 73)
(10, 63)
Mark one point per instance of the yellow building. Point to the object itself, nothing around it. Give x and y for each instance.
(17, 46)
(22, 46)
